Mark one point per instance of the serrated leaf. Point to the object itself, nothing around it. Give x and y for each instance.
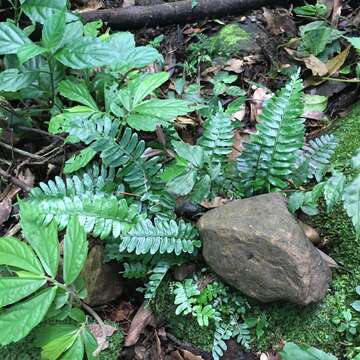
(292, 351)
(54, 30)
(11, 38)
(75, 250)
(14, 289)
(16, 253)
(43, 239)
(20, 319)
(90, 343)
(41, 10)
(79, 160)
(333, 190)
(13, 80)
(85, 53)
(29, 51)
(76, 352)
(351, 200)
(55, 348)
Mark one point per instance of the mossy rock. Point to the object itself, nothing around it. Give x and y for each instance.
(236, 39)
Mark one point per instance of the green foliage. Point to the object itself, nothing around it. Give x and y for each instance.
(184, 296)
(156, 277)
(317, 10)
(268, 160)
(293, 351)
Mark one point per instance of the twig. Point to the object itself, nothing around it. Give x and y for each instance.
(102, 340)
(21, 152)
(41, 132)
(15, 181)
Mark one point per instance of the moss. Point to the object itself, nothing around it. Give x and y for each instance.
(184, 328)
(312, 325)
(115, 343)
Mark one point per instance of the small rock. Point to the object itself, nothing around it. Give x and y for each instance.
(102, 280)
(310, 233)
(257, 246)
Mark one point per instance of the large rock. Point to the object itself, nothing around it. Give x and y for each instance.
(102, 280)
(257, 246)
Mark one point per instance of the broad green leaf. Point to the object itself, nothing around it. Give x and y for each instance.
(193, 153)
(182, 185)
(79, 160)
(355, 161)
(174, 169)
(143, 87)
(11, 38)
(43, 239)
(201, 189)
(90, 344)
(333, 190)
(354, 41)
(54, 349)
(54, 30)
(77, 91)
(351, 200)
(92, 28)
(13, 289)
(41, 10)
(295, 201)
(75, 250)
(29, 51)
(356, 305)
(76, 352)
(13, 80)
(45, 334)
(16, 253)
(20, 319)
(85, 53)
(292, 351)
(73, 32)
(144, 55)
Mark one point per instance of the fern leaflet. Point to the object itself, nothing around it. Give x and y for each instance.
(184, 296)
(156, 277)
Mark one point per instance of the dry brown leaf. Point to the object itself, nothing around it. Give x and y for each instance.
(175, 355)
(5, 210)
(97, 331)
(142, 319)
(329, 261)
(190, 356)
(184, 120)
(122, 312)
(260, 95)
(239, 115)
(235, 65)
(215, 202)
(334, 64)
(317, 67)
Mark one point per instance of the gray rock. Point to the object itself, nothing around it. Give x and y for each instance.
(102, 280)
(257, 246)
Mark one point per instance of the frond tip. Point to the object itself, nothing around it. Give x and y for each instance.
(161, 237)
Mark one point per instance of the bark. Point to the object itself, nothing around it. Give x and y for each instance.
(173, 13)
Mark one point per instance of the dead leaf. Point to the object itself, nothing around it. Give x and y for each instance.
(331, 263)
(5, 210)
(175, 355)
(260, 95)
(183, 271)
(337, 7)
(27, 177)
(142, 319)
(97, 331)
(239, 115)
(157, 352)
(317, 67)
(122, 312)
(235, 65)
(184, 120)
(279, 21)
(310, 232)
(190, 356)
(215, 202)
(338, 61)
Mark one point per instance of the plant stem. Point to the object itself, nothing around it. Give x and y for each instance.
(52, 81)
(341, 80)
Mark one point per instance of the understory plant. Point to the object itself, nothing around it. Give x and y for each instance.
(131, 168)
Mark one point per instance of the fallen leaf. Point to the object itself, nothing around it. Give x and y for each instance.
(183, 271)
(215, 202)
(5, 210)
(175, 355)
(190, 356)
(142, 319)
(239, 115)
(157, 353)
(235, 65)
(184, 120)
(338, 61)
(317, 67)
(329, 261)
(97, 331)
(122, 312)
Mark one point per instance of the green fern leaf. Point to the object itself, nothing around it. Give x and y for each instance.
(156, 277)
(268, 160)
(314, 159)
(100, 213)
(134, 270)
(219, 345)
(218, 136)
(351, 200)
(161, 237)
(184, 296)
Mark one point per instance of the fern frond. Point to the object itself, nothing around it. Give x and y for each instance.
(219, 345)
(218, 136)
(161, 237)
(101, 214)
(242, 334)
(184, 296)
(134, 270)
(351, 200)
(268, 160)
(156, 277)
(315, 157)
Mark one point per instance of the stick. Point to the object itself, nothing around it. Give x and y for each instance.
(21, 152)
(173, 13)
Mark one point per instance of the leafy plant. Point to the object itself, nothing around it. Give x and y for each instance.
(346, 324)
(317, 10)
(294, 351)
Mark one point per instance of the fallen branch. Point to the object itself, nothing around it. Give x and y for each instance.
(173, 13)
(15, 181)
